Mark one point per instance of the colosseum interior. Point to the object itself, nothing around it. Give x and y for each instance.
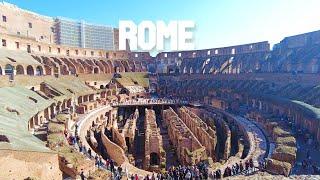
(238, 112)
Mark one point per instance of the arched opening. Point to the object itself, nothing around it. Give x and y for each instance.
(154, 159)
(30, 70)
(114, 92)
(64, 70)
(8, 69)
(52, 112)
(91, 97)
(191, 70)
(185, 70)
(72, 69)
(108, 93)
(101, 86)
(79, 99)
(48, 70)
(96, 70)
(69, 103)
(20, 69)
(39, 71)
(31, 124)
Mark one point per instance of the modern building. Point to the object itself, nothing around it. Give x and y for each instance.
(82, 34)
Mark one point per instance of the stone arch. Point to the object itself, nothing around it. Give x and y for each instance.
(154, 159)
(114, 92)
(20, 69)
(80, 100)
(110, 65)
(108, 93)
(80, 69)
(58, 107)
(69, 103)
(191, 70)
(100, 65)
(72, 69)
(30, 70)
(39, 71)
(106, 67)
(126, 66)
(52, 110)
(101, 86)
(8, 69)
(31, 123)
(47, 70)
(185, 70)
(64, 70)
(96, 70)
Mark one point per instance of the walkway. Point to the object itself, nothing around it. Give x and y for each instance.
(149, 102)
(257, 140)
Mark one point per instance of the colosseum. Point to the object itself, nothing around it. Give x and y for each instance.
(94, 112)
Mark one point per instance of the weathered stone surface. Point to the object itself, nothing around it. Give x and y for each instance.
(188, 148)
(278, 167)
(154, 152)
(22, 164)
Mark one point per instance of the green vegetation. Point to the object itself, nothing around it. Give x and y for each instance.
(55, 128)
(289, 141)
(57, 142)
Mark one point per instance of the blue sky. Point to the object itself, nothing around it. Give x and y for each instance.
(219, 22)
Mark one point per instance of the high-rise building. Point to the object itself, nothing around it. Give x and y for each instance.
(85, 35)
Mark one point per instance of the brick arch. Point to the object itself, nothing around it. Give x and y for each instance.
(107, 69)
(111, 66)
(20, 69)
(126, 66)
(30, 70)
(100, 65)
(96, 70)
(88, 69)
(39, 71)
(64, 70)
(8, 69)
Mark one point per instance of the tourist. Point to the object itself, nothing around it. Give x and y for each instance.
(84, 150)
(251, 165)
(89, 152)
(96, 158)
(111, 166)
(246, 165)
(120, 171)
(107, 164)
(82, 175)
(241, 167)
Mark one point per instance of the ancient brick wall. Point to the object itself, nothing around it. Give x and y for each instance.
(154, 153)
(189, 149)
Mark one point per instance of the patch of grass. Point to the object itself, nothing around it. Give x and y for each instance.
(55, 128)
(56, 139)
(62, 118)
